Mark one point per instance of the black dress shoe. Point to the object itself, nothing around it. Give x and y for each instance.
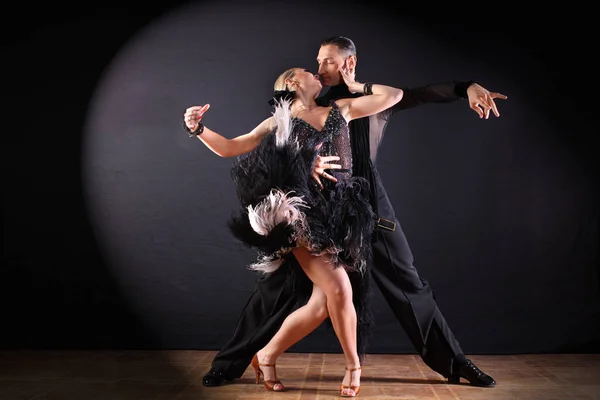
(474, 375)
(215, 378)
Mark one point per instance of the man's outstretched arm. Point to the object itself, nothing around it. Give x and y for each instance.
(481, 100)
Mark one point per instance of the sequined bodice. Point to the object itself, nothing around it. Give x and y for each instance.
(335, 137)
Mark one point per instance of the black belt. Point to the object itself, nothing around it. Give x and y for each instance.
(386, 224)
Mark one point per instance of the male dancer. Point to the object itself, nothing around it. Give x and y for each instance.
(410, 296)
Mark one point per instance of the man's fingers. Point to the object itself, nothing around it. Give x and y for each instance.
(488, 104)
(321, 162)
(317, 179)
(330, 177)
(493, 103)
(475, 107)
(330, 166)
(495, 109)
(485, 103)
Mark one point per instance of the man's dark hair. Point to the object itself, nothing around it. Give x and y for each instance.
(344, 45)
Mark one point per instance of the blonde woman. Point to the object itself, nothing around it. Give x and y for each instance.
(284, 213)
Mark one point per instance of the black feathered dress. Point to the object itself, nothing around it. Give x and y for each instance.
(281, 207)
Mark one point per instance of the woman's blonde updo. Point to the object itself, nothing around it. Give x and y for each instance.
(280, 83)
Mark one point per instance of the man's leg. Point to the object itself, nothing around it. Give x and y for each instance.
(272, 301)
(413, 302)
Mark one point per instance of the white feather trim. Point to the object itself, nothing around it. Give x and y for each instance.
(266, 265)
(274, 209)
(283, 119)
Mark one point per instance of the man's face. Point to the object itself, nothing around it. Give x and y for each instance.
(330, 60)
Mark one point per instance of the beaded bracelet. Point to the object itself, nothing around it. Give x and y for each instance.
(197, 132)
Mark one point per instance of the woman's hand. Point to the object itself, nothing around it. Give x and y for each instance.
(348, 75)
(193, 115)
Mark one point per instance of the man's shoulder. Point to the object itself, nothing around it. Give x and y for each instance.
(323, 100)
(327, 98)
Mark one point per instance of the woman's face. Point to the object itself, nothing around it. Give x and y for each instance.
(306, 81)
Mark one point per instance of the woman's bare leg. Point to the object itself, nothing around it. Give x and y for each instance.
(335, 283)
(296, 326)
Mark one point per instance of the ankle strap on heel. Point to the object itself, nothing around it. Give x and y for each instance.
(353, 369)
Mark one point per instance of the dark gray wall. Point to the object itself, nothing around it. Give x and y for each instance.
(115, 229)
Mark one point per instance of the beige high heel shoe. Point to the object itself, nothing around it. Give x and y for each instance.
(269, 385)
(355, 389)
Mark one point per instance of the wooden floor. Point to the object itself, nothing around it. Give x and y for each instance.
(165, 375)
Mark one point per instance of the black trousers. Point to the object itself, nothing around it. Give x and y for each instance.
(410, 297)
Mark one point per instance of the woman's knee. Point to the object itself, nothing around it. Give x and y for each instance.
(320, 312)
(339, 291)
(318, 304)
